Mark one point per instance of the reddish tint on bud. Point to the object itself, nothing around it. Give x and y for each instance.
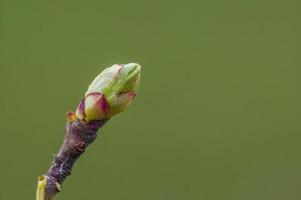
(110, 93)
(93, 106)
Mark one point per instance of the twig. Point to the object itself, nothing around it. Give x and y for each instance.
(110, 93)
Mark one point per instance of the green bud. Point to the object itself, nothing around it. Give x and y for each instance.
(110, 93)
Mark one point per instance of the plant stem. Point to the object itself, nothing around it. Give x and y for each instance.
(79, 134)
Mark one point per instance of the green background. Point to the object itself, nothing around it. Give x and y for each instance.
(218, 112)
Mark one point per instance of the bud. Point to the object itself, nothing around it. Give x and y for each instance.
(110, 93)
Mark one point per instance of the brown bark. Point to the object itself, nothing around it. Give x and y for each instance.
(79, 134)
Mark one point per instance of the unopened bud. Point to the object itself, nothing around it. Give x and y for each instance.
(110, 93)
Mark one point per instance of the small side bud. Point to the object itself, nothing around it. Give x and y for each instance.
(40, 193)
(111, 92)
(70, 116)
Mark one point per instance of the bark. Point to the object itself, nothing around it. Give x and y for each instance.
(79, 134)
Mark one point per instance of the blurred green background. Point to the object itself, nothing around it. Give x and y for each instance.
(218, 112)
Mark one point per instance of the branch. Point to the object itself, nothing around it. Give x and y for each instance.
(110, 93)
